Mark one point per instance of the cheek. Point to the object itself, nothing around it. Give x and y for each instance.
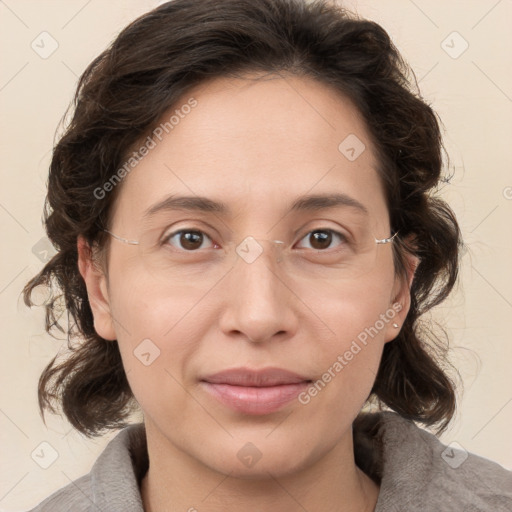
(347, 309)
(145, 307)
(156, 336)
(156, 352)
(358, 337)
(354, 323)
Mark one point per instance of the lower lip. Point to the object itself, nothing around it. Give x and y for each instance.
(255, 400)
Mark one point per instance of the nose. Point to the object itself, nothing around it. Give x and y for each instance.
(259, 304)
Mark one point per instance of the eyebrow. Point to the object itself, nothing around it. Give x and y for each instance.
(309, 203)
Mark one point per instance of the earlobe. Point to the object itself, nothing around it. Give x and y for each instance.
(96, 283)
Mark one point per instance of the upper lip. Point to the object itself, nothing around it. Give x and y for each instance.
(258, 378)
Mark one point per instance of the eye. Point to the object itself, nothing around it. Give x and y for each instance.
(188, 239)
(191, 240)
(321, 239)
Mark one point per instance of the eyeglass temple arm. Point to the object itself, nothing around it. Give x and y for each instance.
(125, 240)
(386, 240)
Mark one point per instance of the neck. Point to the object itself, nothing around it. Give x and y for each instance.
(176, 481)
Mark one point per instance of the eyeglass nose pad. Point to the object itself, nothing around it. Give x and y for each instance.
(279, 245)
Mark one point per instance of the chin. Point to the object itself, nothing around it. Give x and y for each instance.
(247, 462)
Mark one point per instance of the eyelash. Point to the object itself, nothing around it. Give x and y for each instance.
(342, 237)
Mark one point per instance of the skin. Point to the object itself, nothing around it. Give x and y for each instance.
(257, 146)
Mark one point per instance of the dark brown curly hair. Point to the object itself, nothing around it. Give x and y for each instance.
(125, 91)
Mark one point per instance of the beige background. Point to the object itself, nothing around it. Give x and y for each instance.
(473, 95)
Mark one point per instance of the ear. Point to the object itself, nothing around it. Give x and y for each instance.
(401, 298)
(96, 283)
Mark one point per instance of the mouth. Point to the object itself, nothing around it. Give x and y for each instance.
(255, 391)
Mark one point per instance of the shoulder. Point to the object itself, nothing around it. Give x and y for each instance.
(75, 496)
(113, 482)
(419, 472)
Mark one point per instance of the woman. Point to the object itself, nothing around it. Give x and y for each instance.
(247, 241)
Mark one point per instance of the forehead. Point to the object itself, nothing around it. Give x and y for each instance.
(255, 146)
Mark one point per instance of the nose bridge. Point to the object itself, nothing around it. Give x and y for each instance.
(257, 296)
(251, 249)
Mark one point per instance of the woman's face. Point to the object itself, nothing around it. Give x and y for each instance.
(195, 307)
